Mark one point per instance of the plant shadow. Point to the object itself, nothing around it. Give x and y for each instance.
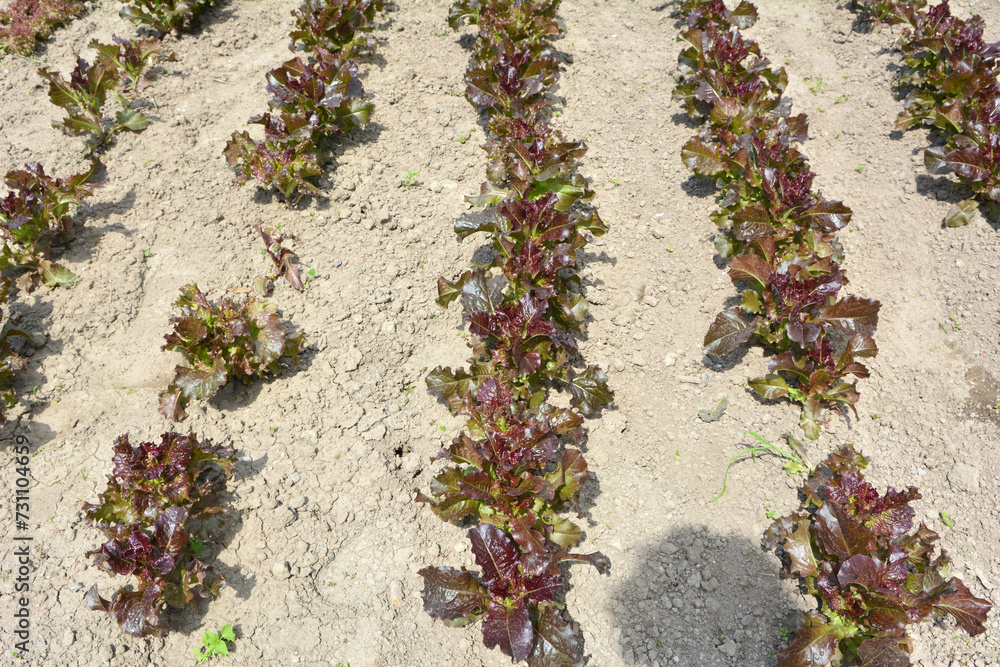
(589, 492)
(88, 236)
(681, 118)
(698, 186)
(236, 395)
(189, 620)
(217, 13)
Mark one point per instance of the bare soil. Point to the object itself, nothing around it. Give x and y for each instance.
(323, 555)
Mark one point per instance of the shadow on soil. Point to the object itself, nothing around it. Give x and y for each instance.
(698, 186)
(190, 621)
(236, 395)
(699, 599)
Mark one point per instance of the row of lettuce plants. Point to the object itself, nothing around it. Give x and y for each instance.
(23, 23)
(950, 80)
(164, 502)
(853, 550)
(517, 464)
(314, 100)
(778, 233)
(163, 510)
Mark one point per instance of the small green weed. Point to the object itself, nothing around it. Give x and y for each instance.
(795, 460)
(215, 644)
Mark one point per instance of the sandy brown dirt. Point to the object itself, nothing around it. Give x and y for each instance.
(322, 560)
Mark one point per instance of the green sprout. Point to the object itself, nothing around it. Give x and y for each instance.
(215, 644)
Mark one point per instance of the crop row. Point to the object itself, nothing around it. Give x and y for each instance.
(163, 501)
(778, 234)
(849, 547)
(950, 80)
(163, 504)
(517, 463)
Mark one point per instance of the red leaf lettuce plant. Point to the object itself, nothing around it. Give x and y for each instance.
(24, 22)
(165, 16)
(120, 71)
(950, 75)
(35, 216)
(342, 25)
(517, 464)
(164, 501)
(778, 234)
(313, 100)
(282, 258)
(222, 340)
(871, 575)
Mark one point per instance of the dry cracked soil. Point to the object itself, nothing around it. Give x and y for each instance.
(323, 552)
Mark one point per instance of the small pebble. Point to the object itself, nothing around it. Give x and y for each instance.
(281, 569)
